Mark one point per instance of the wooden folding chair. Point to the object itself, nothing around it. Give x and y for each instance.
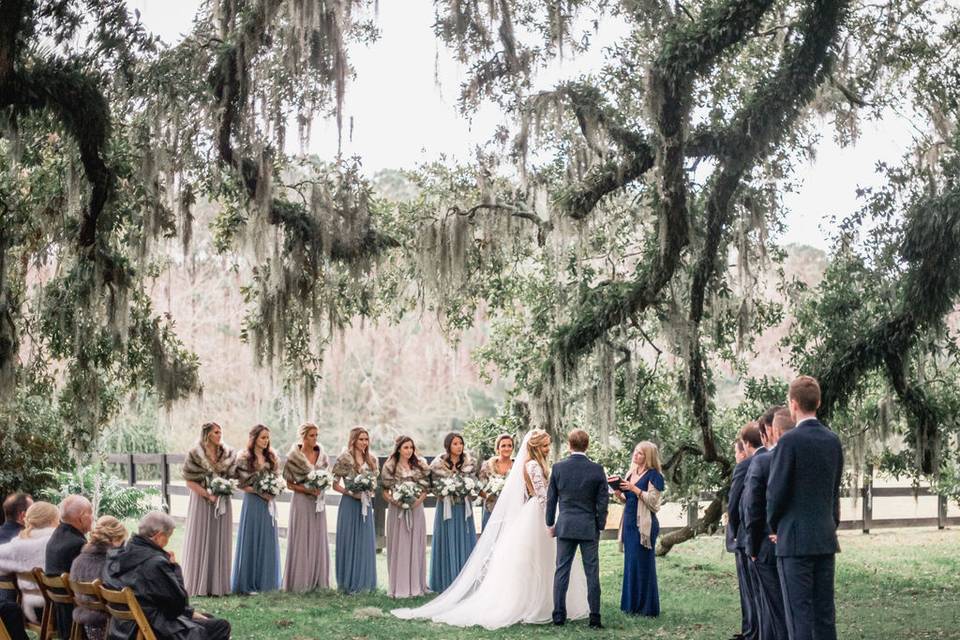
(123, 605)
(56, 590)
(38, 628)
(93, 601)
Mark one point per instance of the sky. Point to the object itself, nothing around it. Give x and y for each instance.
(403, 109)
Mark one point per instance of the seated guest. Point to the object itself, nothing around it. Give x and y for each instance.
(76, 518)
(88, 566)
(14, 511)
(157, 581)
(27, 550)
(12, 619)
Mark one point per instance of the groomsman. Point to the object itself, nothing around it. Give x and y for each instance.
(803, 511)
(760, 547)
(749, 613)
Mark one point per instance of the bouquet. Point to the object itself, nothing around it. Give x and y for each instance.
(223, 489)
(407, 493)
(268, 483)
(454, 487)
(495, 485)
(318, 480)
(361, 483)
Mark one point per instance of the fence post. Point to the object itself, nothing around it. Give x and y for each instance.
(692, 513)
(866, 495)
(941, 512)
(165, 480)
(131, 471)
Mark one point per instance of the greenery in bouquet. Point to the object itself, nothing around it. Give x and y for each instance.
(361, 483)
(407, 493)
(494, 486)
(220, 486)
(318, 480)
(268, 483)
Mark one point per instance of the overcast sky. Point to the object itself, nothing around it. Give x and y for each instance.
(402, 116)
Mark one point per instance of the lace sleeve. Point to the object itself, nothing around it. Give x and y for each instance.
(538, 481)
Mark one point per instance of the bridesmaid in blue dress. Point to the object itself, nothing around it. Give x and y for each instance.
(256, 567)
(454, 531)
(639, 530)
(356, 552)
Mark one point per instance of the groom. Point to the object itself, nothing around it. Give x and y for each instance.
(580, 486)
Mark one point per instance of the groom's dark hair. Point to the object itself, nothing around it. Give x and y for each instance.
(579, 440)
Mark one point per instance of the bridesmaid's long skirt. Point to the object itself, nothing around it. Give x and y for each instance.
(308, 554)
(356, 548)
(256, 566)
(640, 594)
(484, 518)
(207, 548)
(453, 541)
(406, 552)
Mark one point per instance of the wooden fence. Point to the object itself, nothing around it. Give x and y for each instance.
(867, 493)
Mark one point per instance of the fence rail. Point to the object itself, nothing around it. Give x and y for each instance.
(865, 494)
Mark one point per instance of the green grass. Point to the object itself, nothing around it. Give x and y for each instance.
(890, 585)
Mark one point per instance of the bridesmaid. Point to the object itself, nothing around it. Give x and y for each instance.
(256, 567)
(639, 529)
(308, 556)
(208, 542)
(406, 528)
(498, 466)
(454, 532)
(356, 561)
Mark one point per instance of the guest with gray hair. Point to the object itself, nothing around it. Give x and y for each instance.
(156, 579)
(66, 543)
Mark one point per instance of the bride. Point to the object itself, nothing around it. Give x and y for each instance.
(509, 576)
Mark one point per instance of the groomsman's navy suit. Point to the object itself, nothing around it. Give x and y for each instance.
(773, 624)
(749, 622)
(579, 485)
(803, 510)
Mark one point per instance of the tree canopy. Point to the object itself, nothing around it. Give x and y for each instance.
(620, 233)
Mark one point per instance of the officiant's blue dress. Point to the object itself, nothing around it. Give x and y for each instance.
(453, 542)
(640, 595)
(256, 567)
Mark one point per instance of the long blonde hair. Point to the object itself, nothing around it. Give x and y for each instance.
(651, 455)
(40, 515)
(352, 447)
(538, 441)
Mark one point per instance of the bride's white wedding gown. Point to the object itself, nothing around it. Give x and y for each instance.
(509, 576)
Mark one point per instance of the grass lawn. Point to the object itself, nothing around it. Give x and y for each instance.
(890, 585)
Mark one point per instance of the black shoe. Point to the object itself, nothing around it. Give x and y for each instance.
(559, 619)
(595, 621)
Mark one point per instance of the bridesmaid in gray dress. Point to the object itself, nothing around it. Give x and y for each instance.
(308, 555)
(406, 528)
(208, 543)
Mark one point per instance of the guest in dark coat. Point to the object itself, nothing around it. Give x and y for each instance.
(157, 582)
(760, 546)
(76, 519)
(749, 437)
(108, 533)
(14, 511)
(803, 511)
(12, 618)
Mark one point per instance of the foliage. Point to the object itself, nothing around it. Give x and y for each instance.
(108, 493)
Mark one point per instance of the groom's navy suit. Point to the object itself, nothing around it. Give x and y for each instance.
(803, 510)
(580, 487)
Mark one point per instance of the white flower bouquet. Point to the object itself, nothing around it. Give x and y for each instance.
(494, 486)
(448, 487)
(268, 483)
(407, 493)
(318, 480)
(365, 482)
(220, 486)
